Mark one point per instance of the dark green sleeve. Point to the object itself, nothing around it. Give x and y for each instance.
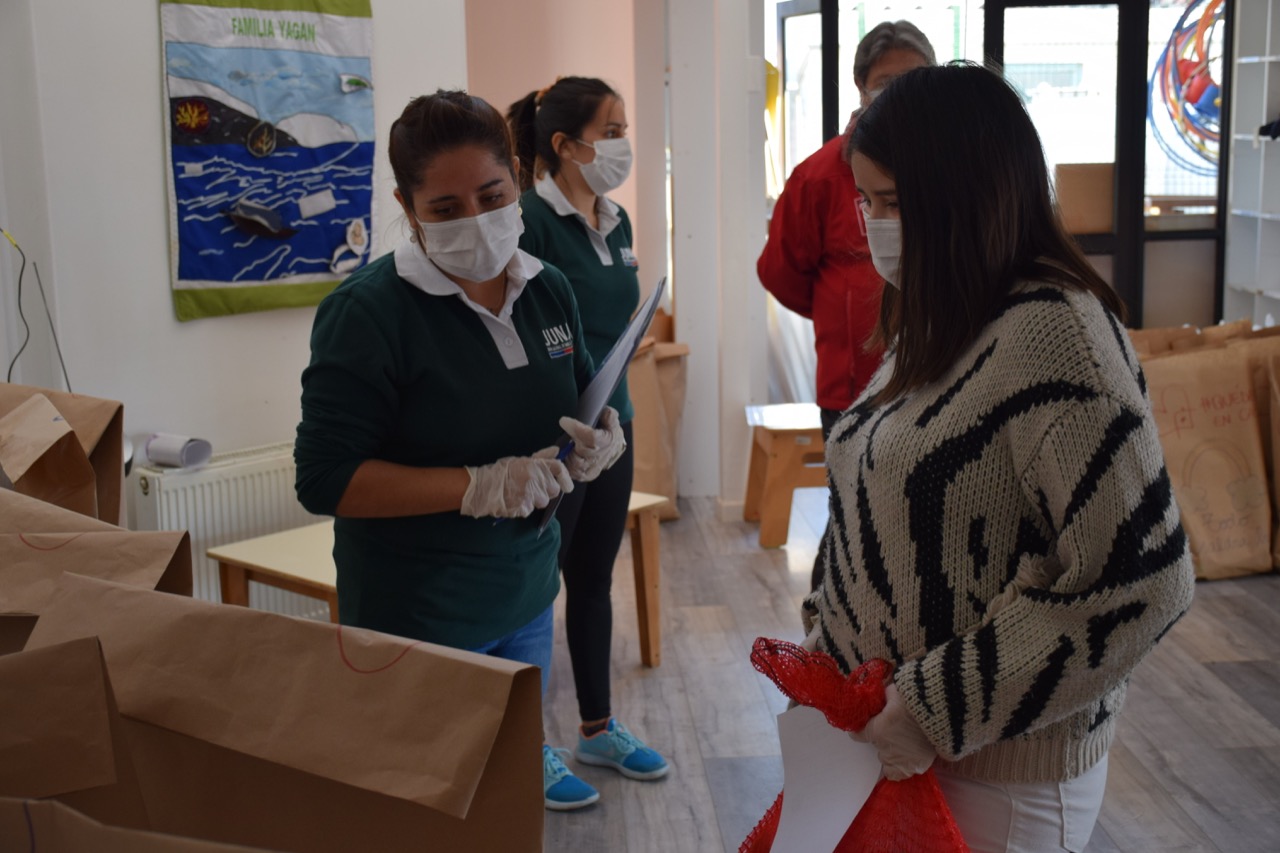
(349, 401)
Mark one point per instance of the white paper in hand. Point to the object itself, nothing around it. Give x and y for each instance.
(827, 776)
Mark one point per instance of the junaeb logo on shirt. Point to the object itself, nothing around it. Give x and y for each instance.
(628, 257)
(558, 340)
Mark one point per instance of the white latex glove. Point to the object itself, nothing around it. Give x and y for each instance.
(514, 486)
(810, 643)
(594, 450)
(903, 747)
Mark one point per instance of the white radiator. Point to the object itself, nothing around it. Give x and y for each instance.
(238, 495)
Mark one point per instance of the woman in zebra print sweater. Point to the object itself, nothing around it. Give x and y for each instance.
(1003, 528)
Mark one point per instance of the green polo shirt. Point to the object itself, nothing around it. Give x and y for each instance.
(420, 378)
(599, 264)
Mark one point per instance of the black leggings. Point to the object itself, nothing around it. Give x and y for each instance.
(592, 520)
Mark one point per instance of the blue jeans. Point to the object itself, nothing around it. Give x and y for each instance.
(530, 644)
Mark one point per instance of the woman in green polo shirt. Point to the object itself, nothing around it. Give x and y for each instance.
(571, 138)
(439, 379)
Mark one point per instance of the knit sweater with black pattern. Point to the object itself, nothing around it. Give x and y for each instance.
(1008, 537)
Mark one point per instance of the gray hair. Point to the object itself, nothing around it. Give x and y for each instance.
(890, 35)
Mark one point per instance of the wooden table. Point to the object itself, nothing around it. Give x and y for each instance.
(301, 561)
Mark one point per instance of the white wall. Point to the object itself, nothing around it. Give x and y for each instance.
(27, 216)
(717, 97)
(83, 187)
(517, 46)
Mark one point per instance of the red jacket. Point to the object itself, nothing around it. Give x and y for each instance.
(817, 264)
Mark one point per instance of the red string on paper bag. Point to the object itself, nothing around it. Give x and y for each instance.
(909, 816)
(342, 653)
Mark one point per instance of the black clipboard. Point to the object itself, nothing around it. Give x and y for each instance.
(608, 376)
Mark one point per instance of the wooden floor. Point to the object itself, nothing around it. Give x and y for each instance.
(1196, 765)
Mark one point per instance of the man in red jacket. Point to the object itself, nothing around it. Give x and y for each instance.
(816, 261)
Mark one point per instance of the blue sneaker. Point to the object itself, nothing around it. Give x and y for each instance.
(561, 790)
(614, 746)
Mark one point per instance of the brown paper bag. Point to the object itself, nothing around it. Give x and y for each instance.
(1224, 332)
(99, 425)
(656, 380)
(61, 734)
(1257, 350)
(259, 729)
(38, 542)
(47, 826)
(41, 457)
(1148, 342)
(663, 327)
(1205, 408)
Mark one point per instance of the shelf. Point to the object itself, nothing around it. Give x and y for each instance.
(1251, 273)
(1253, 214)
(1254, 290)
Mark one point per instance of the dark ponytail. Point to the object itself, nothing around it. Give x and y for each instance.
(520, 117)
(565, 107)
(433, 124)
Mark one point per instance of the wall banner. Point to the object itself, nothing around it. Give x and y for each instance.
(270, 147)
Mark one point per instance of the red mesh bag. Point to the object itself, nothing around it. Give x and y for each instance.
(899, 817)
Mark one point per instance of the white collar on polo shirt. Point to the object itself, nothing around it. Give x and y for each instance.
(414, 267)
(606, 210)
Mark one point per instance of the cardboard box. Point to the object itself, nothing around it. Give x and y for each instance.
(253, 728)
(1086, 196)
(98, 425)
(39, 541)
(656, 380)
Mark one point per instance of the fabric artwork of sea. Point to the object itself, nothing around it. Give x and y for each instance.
(271, 151)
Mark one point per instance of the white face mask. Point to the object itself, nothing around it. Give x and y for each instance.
(476, 248)
(884, 239)
(611, 166)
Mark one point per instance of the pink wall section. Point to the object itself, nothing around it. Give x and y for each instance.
(516, 46)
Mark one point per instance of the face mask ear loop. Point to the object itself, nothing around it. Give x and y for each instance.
(575, 159)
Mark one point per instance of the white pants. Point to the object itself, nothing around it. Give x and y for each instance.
(1035, 817)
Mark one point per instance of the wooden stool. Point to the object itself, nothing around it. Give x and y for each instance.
(642, 521)
(786, 454)
(301, 561)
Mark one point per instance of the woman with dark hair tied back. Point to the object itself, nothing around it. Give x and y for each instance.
(571, 137)
(439, 382)
(1003, 529)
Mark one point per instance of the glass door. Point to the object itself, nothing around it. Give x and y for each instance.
(954, 30)
(800, 59)
(1081, 71)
